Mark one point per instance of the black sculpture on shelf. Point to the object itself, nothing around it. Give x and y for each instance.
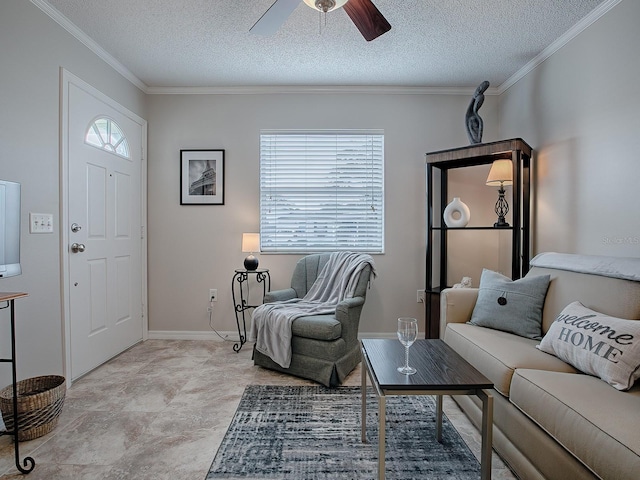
(473, 120)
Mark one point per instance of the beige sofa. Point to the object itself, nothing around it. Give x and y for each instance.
(550, 420)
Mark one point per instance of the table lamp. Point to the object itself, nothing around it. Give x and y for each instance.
(250, 244)
(501, 174)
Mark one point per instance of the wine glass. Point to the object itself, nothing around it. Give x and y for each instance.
(407, 334)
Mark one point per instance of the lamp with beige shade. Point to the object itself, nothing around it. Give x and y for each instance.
(250, 244)
(501, 174)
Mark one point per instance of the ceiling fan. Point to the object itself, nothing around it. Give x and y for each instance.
(363, 13)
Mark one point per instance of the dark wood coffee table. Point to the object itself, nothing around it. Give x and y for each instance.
(440, 371)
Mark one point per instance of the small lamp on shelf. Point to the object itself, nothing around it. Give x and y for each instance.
(501, 174)
(250, 244)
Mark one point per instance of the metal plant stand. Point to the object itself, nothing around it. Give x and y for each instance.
(240, 277)
(28, 463)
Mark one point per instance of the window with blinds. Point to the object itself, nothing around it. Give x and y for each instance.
(321, 191)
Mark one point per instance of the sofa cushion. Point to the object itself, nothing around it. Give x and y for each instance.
(497, 354)
(595, 422)
(613, 296)
(597, 344)
(511, 306)
(318, 327)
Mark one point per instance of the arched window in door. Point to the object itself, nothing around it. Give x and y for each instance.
(105, 134)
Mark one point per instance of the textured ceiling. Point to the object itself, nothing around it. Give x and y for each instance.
(432, 43)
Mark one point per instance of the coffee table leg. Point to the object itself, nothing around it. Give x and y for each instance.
(363, 392)
(487, 434)
(439, 418)
(381, 435)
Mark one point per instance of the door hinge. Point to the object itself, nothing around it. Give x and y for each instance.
(142, 232)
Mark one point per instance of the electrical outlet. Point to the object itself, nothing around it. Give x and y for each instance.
(420, 296)
(213, 295)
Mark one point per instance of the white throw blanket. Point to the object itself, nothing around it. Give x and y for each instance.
(271, 322)
(626, 268)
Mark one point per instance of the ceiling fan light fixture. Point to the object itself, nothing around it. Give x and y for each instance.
(325, 6)
(363, 13)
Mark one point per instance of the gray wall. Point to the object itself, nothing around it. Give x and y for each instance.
(195, 248)
(33, 48)
(580, 110)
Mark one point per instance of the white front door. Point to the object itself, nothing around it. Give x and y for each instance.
(104, 237)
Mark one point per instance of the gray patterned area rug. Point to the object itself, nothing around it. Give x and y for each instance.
(313, 432)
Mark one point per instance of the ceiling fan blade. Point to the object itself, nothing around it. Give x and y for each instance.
(367, 18)
(272, 20)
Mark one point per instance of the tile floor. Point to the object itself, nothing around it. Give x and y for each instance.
(159, 411)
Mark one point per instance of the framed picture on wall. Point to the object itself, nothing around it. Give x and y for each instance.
(201, 177)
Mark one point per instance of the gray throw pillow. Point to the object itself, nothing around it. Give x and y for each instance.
(511, 306)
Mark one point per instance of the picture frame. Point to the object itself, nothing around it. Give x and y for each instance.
(202, 177)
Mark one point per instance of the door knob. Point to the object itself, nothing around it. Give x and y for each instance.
(77, 247)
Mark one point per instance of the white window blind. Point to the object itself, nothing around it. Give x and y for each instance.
(321, 191)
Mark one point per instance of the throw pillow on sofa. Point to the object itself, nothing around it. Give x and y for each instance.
(513, 306)
(597, 344)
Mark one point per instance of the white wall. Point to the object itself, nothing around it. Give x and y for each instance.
(580, 110)
(33, 48)
(195, 248)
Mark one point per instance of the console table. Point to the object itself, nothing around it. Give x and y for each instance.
(29, 463)
(241, 277)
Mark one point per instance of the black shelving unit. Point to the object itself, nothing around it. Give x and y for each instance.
(440, 162)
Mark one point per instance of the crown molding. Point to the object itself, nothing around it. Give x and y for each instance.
(83, 38)
(315, 89)
(565, 38)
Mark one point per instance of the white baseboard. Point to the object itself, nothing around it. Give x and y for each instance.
(191, 335)
(209, 335)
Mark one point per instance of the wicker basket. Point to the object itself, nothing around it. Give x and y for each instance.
(40, 401)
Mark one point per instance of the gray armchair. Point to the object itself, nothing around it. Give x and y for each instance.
(325, 348)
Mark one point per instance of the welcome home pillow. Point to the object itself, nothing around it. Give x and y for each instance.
(511, 306)
(597, 344)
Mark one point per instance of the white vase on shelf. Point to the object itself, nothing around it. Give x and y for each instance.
(460, 208)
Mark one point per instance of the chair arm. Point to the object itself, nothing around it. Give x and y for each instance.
(348, 314)
(342, 309)
(279, 295)
(456, 306)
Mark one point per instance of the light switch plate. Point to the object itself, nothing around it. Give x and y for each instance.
(40, 223)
